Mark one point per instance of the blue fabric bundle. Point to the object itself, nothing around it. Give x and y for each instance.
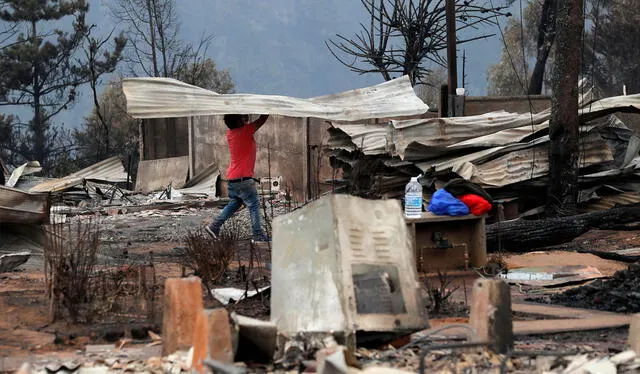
(444, 204)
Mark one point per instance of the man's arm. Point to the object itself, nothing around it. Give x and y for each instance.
(260, 121)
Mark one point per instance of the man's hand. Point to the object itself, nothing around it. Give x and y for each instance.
(260, 121)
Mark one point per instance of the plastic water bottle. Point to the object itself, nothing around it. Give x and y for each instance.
(413, 198)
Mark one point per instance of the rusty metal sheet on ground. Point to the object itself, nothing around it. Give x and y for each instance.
(156, 175)
(535, 327)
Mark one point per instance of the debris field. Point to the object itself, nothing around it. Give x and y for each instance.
(100, 273)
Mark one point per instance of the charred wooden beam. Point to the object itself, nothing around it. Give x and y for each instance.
(525, 235)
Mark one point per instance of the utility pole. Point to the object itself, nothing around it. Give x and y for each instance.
(464, 67)
(564, 152)
(451, 55)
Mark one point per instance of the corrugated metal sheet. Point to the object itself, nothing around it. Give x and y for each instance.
(503, 137)
(370, 139)
(165, 97)
(608, 202)
(449, 131)
(110, 170)
(529, 163)
(202, 184)
(456, 162)
(443, 135)
(374, 139)
(453, 161)
(610, 105)
(630, 169)
(17, 206)
(489, 129)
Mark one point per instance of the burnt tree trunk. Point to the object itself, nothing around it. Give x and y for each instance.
(524, 235)
(38, 126)
(546, 38)
(563, 125)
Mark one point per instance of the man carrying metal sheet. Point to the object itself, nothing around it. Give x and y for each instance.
(240, 180)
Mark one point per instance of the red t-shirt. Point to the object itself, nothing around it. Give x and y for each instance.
(242, 147)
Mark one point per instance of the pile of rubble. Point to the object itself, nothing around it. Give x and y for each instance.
(105, 187)
(506, 153)
(458, 361)
(338, 360)
(114, 361)
(618, 294)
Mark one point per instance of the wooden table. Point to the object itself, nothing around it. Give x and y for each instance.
(464, 243)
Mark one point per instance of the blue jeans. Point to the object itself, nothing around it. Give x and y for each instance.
(242, 192)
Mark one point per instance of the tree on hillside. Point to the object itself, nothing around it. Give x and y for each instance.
(403, 37)
(608, 60)
(203, 72)
(543, 32)
(544, 43)
(121, 139)
(8, 139)
(614, 34)
(101, 61)
(512, 75)
(156, 49)
(152, 28)
(508, 76)
(37, 67)
(7, 31)
(42, 68)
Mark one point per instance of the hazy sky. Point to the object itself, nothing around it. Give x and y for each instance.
(277, 46)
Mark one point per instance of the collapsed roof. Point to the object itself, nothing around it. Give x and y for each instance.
(499, 150)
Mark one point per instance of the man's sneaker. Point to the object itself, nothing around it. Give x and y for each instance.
(212, 234)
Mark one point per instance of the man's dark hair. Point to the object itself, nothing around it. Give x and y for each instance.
(234, 121)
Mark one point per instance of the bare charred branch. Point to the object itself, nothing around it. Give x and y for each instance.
(402, 36)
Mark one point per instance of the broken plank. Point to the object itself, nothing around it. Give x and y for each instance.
(555, 326)
(536, 327)
(559, 311)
